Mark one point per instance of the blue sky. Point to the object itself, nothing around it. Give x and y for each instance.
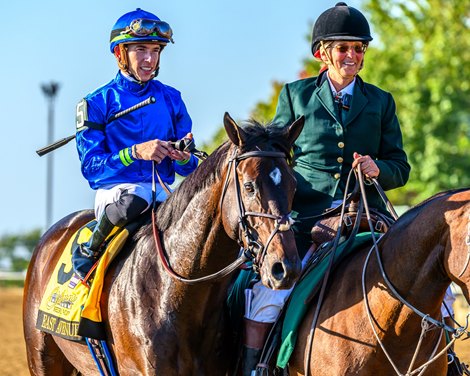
(225, 56)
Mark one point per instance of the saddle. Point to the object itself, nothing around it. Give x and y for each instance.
(324, 230)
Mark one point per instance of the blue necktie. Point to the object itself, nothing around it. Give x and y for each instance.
(343, 102)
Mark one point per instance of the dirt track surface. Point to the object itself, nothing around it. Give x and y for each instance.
(12, 347)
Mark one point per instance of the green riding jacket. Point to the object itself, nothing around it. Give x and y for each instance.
(323, 153)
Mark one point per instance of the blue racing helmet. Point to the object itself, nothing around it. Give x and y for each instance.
(140, 26)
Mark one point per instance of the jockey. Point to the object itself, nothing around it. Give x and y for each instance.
(348, 123)
(116, 158)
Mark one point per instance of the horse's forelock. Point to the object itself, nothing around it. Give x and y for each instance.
(265, 136)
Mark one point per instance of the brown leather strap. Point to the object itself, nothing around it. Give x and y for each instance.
(255, 333)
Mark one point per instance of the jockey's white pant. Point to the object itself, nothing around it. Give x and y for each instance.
(109, 194)
(264, 304)
(449, 299)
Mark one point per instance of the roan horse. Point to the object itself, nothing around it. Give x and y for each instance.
(156, 325)
(423, 252)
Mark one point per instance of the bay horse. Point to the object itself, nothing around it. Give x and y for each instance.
(240, 196)
(422, 253)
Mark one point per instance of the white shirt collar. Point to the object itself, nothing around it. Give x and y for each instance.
(346, 90)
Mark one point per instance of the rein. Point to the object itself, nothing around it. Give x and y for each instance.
(467, 242)
(427, 322)
(332, 249)
(254, 249)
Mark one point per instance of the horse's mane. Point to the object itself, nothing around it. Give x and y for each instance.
(411, 213)
(264, 137)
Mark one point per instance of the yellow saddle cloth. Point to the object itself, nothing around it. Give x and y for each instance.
(69, 308)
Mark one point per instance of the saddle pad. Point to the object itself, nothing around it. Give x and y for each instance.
(67, 304)
(297, 305)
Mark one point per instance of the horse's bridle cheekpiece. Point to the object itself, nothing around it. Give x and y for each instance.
(253, 249)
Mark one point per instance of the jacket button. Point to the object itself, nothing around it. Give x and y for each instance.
(337, 175)
(340, 159)
(341, 145)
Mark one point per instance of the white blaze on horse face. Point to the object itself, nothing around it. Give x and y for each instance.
(276, 176)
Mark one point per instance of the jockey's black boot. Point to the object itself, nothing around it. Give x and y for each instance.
(255, 335)
(86, 254)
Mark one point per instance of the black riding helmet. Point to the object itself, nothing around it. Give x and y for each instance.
(340, 23)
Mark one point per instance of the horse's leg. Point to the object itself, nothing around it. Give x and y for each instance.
(44, 356)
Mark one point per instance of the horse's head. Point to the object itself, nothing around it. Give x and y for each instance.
(257, 198)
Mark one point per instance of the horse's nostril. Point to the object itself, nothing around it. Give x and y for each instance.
(278, 271)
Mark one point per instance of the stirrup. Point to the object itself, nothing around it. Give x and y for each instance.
(87, 252)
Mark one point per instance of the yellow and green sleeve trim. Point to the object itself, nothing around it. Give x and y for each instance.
(125, 155)
(183, 162)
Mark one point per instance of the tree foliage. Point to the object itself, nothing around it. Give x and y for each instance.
(219, 138)
(10, 244)
(264, 112)
(421, 54)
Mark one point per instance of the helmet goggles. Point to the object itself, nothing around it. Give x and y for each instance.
(142, 27)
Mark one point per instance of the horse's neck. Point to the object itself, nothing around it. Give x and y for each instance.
(191, 244)
(412, 258)
(196, 243)
(194, 237)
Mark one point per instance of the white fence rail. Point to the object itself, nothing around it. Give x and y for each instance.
(12, 276)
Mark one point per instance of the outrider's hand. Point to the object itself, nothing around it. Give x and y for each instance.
(368, 166)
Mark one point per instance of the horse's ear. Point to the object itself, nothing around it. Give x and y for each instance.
(295, 129)
(234, 132)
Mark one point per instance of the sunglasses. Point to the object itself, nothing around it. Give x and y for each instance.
(142, 27)
(357, 48)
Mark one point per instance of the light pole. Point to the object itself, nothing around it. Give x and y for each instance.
(50, 90)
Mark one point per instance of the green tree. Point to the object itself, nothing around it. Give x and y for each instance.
(421, 53)
(9, 245)
(218, 139)
(264, 112)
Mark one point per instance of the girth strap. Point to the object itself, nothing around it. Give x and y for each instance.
(102, 357)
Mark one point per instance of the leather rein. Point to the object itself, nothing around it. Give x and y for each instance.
(253, 249)
(427, 322)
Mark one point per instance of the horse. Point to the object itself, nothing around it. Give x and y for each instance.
(371, 320)
(157, 321)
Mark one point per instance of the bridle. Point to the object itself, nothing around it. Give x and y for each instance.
(252, 249)
(427, 322)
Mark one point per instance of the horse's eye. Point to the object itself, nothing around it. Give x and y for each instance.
(249, 187)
